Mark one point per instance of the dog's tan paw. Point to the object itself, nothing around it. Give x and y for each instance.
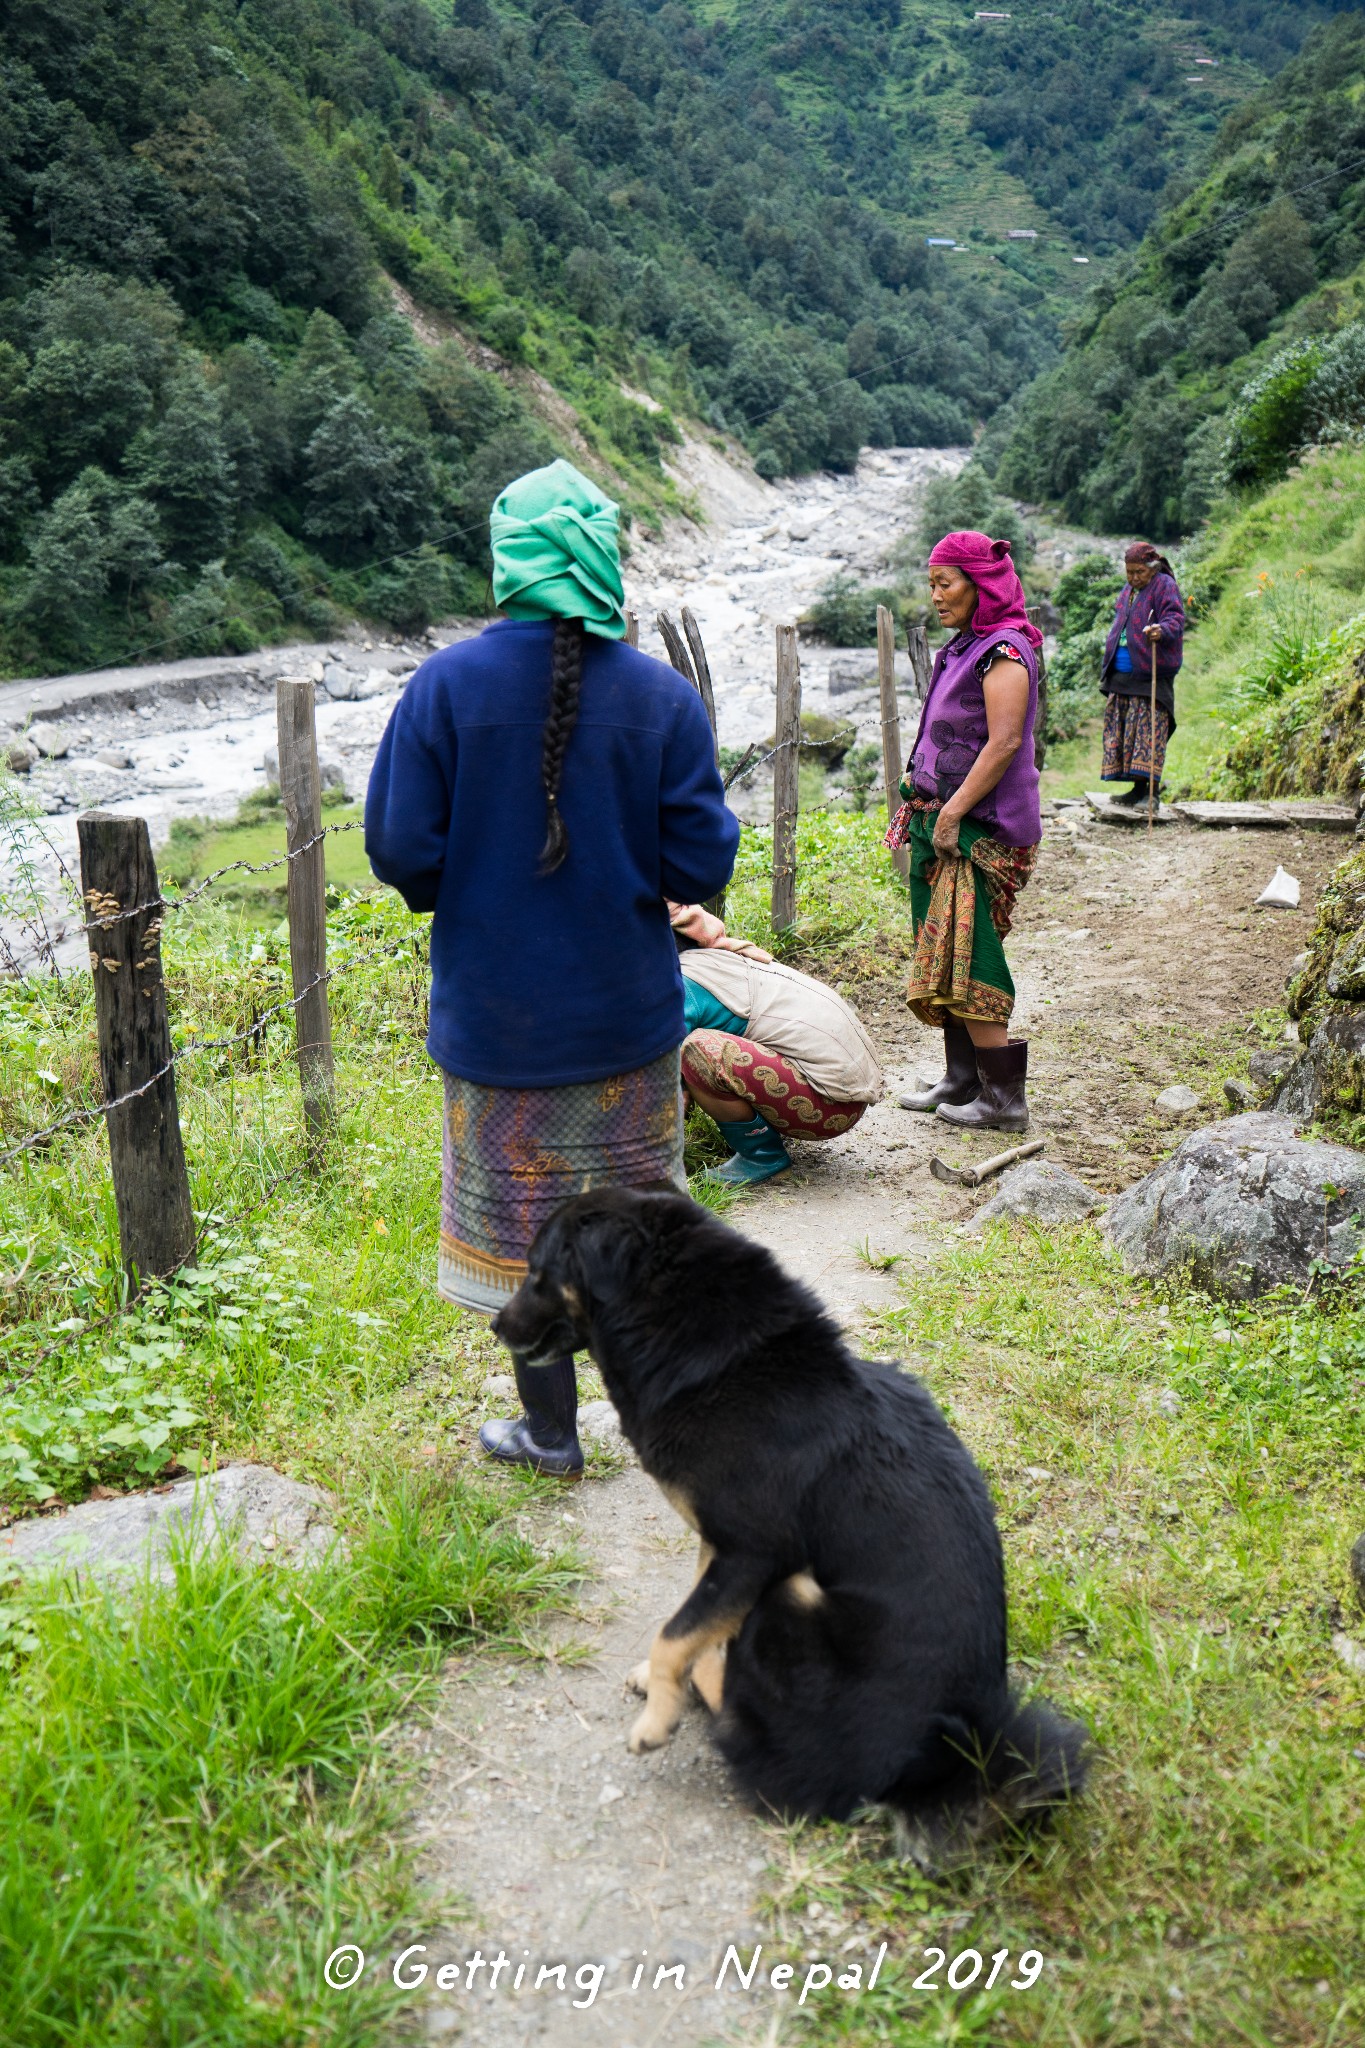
(649, 1732)
(637, 1678)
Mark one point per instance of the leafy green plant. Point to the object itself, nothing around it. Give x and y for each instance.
(1291, 643)
(1272, 416)
(845, 612)
(1085, 598)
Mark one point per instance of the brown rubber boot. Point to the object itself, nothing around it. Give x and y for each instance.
(960, 1083)
(1002, 1104)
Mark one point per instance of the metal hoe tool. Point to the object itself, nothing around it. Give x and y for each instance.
(972, 1176)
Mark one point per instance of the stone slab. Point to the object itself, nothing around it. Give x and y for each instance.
(1256, 817)
(253, 1507)
(1112, 813)
(1311, 816)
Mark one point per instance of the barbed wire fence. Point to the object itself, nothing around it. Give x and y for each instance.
(125, 909)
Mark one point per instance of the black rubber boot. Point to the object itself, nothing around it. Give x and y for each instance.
(960, 1083)
(1002, 1104)
(1136, 795)
(545, 1437)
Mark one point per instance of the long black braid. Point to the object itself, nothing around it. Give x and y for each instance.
(566, 680)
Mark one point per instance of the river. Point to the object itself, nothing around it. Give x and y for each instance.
(192, 738)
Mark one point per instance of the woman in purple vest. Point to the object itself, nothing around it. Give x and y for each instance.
(1148, 614)
(972, 822)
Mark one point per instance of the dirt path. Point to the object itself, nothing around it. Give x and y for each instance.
(1135, 958)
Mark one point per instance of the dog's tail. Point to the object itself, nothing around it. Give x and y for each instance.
(1037, 1761)
(966, 1786)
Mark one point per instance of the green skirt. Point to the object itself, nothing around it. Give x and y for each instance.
(961, 912)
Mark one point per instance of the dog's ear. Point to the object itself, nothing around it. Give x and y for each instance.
(602, 1255)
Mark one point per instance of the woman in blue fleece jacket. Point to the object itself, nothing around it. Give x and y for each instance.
(541, 789)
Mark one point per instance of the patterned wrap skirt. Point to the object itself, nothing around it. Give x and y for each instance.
(962, 911)
(724, 1064)
(511, 1156)
(1128, 750)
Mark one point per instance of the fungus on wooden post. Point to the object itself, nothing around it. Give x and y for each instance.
(891, 726)
(146, 1152)
(786, 778)
(301, 795)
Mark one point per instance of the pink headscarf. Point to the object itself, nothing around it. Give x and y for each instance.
(1000, 603)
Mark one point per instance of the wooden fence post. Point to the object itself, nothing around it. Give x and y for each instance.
(892, 759)
(675, 648)
(146, 1152)
(917, 647)
(632, 629)
(702, 670)
(786, 778)
(301, 794)
(1040, 722)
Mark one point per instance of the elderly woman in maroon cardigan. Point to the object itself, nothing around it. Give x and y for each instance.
(1148, 613)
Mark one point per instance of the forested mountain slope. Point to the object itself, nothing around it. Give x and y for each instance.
(1234, 336)
(215, 427)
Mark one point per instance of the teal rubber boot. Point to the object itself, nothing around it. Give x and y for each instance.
(759, 1153)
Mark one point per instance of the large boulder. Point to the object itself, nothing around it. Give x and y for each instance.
(1244, 1206)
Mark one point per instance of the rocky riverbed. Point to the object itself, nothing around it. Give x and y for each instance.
(192, 738)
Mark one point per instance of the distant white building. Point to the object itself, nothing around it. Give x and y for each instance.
(1080, 259)
(940, 241)
(1021, 234)
(989, 14)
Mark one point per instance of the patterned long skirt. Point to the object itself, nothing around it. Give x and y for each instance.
(1128, 740)
(511, 1156)
(724, 1064)
(962, 911)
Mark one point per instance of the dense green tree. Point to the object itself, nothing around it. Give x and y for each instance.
(364, 486)
(95, 537)
(183, 465)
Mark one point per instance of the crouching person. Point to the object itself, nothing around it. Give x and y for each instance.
(770, 1053)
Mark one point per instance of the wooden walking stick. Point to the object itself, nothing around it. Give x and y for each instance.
(1151, 749)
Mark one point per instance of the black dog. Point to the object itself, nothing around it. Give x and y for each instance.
(849, 1553)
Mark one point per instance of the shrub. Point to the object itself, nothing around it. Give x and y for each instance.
(845, 613)
(1085, 598)
(968, 502)
(1273, 416)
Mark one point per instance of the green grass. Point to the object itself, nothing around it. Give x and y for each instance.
(256, 836)
(1298, 549)
(1175, 1580)
(198, 1798)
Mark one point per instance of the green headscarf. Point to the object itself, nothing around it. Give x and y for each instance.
(555, 552)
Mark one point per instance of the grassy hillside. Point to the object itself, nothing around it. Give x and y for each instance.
(1233, 336)
(1277, 687)
(217, 423)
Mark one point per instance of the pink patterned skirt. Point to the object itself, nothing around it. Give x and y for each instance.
(725, 1065)
(511, 1156)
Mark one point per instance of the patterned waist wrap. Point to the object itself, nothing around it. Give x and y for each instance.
(511, 1156)
(962, 909)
